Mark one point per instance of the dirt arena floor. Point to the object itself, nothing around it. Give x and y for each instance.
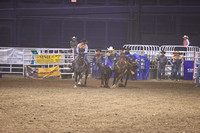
(54, 106)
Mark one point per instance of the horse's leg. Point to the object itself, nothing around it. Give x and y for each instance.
(115, 80)
(115, 76)
(80, 78)
(106, 82)
(86, 75)
(122, 79)
(75, 76)
(127, 77)
(102, 81)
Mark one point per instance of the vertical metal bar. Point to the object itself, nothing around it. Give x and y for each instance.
(23, 61)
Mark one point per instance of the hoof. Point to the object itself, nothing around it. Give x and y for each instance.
(132, 72)
(79, 83)
(106, 86)
(75, 86)
(84, 85)
(102, 86)
(121, 85)
(114, 86)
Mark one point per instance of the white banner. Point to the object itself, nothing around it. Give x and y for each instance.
(11, 56)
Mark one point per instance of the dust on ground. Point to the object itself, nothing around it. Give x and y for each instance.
(53, 105)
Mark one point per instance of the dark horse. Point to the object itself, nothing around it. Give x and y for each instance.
(122, 68)
(80, 69)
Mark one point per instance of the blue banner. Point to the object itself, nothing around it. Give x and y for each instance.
(188, 69)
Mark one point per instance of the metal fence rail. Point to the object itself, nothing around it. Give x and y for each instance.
(153, 51)
(14, 63)
(9, 63)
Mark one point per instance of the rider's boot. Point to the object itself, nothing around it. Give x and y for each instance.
(88, 68)
(72, 69)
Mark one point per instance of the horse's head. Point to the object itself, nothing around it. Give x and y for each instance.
(122, 57)
(81, 57)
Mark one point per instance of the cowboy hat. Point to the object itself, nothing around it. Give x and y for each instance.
(176, 52)
(110, 48)
(185, 36)
(121, 48)
(179, 52)
(163, 51)
(84, 40)
(98, 50)
(73, 37)
(127, 48)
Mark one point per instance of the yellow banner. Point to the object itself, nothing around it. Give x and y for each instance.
(54, 58)
(49, 72)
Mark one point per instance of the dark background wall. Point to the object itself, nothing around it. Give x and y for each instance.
(52, 23)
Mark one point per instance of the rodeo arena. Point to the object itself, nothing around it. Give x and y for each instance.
(99, 66)
(43, 77)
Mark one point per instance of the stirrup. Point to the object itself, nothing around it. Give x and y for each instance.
(72, 69)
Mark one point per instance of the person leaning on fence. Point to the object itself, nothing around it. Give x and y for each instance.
(162, 63)
(98, 63)
(112, 56)
(73, 45)
(176, 61)
(73, 42)
(82, 47)
(186, 41)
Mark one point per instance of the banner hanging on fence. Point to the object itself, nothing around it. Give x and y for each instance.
(11, 56)
(54, 58)
(42, 72)
(49, 72)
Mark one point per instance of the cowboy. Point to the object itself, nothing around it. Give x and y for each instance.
(121, 50)
(112, 56)
(129, 57)
(84, 48)
(186, 42)
(162, 63)
(73, 42)
(132, 59)
(98, 62)
(176, 61)
(127, 51)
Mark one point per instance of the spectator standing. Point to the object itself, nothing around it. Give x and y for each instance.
(98, 63)
(176, 61)
(198, 74)
(162, 63)
(73, 42)
(186, 42)
(112, 56)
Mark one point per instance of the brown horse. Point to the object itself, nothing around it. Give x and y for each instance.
(122, 68)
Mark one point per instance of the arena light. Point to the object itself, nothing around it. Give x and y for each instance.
(73, 1)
